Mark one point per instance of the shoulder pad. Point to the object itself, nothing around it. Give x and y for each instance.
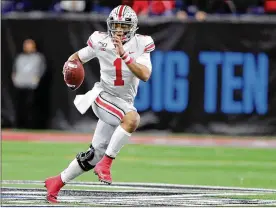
(95, 38)
(147, 43)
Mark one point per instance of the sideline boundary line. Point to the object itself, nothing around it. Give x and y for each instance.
(206, 141)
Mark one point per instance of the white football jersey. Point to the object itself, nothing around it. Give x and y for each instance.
(116, 77)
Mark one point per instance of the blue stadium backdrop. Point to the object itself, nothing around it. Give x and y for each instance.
(207, 77)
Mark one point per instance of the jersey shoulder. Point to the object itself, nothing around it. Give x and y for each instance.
(146, 42)
(95, 38)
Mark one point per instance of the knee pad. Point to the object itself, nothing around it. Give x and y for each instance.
(83, 158)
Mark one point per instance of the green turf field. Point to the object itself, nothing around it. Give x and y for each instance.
(141, 163)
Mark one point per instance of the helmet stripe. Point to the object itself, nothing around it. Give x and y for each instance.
(117, 11)
(121, 12)
(125, 7)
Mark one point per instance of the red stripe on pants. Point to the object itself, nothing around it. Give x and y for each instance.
(109, 107)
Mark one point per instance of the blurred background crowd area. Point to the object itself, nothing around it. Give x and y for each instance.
(180, 8)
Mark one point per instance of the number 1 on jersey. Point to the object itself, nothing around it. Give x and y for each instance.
(119, 78)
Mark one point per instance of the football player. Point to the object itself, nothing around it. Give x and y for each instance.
(124, 58)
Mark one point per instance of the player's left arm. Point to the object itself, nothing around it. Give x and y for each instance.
(141, 67)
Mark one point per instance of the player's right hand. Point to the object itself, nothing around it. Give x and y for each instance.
(118, 45)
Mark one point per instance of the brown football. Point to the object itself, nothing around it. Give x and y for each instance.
(73, 74)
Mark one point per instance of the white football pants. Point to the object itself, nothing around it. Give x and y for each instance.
(110, 110)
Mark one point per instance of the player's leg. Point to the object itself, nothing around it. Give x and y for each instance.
(100, 141)
(119, 138)
(86, 161)
(128, 122)
(83, 162)
(122, 133)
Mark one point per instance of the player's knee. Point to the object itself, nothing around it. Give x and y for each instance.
(83, 158)
(99, 152)
(98, 155)
(131, 121)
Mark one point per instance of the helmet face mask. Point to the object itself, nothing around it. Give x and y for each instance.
(122, 20)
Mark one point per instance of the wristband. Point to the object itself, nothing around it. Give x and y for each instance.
(126, 58)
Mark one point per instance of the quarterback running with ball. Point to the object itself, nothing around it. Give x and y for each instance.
(124, 58)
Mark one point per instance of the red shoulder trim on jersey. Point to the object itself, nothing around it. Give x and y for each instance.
(89, 42)
(149, 44)
(150, 48)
